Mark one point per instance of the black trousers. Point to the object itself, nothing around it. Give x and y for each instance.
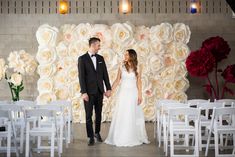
(96, 101)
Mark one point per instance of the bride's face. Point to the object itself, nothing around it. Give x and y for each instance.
(126, 56)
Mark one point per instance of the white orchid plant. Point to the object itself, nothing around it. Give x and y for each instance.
(20, 63)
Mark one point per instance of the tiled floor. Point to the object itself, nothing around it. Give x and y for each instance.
(79, 146)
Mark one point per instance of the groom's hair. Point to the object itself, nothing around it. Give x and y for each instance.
(93, 40)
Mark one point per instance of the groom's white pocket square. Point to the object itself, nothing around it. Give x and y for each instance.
(100, 62)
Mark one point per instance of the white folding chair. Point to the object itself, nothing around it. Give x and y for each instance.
(205, 120)
(195, 102)
(158, 125)
(8, 133)
(227, 102)
(50, 131)
(220, 128)
(190, 114)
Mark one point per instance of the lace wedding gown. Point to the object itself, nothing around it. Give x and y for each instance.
(128, 125)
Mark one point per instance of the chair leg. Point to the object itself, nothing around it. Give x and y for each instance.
(27, 141)
(53, 144)
(21, 139)
(171, 142)
(39, 144)
(208, 143)
(9, 141)
(216, 143)
(197, 140)
(200, 138)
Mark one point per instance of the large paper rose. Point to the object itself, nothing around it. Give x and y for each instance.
(62, 93)
(229, 73)
(77, 48)
(3, 68)
(68, 34)
(45, 85)
(46, 55)
(110, 57)
(103, 33)
(83, 31)
(158, 48)
(156, 63)
(167, 73)
(46, 70)
(122, 33)
(62, 50)
(47, 35)
(143, 50)
(162, 33)
(199, 63)
(75, 89)
(218, 47)
(181, 33)
(65, 63)
(180, 69)
(16, 79)
(181, 51)
(168, 60)
(142, 33)
(61, 78)
(72, 73)
(181, 84)
(45, 98)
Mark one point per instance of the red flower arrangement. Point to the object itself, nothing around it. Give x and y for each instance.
(204, 61)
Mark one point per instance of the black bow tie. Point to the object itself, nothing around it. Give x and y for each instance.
(93, 55)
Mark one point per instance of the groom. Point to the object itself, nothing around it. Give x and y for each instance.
(92, 73)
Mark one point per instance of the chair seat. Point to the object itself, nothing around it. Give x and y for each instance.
(41, 131)
(183, 128)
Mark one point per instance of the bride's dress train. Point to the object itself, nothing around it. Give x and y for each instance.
(128, 125)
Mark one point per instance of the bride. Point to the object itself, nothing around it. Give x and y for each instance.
(128, 125)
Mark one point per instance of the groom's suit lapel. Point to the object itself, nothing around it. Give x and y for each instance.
(90, 61)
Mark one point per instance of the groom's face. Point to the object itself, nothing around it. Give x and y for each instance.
(96, 46)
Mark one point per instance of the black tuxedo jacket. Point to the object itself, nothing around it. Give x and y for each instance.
(91, 80)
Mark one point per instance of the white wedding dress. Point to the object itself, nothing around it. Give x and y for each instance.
(128, 124)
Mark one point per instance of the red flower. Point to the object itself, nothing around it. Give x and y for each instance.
(229, 73)
(218, 47)
(199, 63)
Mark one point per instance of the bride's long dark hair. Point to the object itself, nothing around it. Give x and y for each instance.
(132, 62)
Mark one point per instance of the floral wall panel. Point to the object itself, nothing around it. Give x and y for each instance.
(162, 50)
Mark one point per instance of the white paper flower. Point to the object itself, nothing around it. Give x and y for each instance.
(181, 33)
(168, 85)
(162, 33)
(168, 60)
(103, 33)
(75, 88)
(180, 96)
(77, 48)
(68, 33)
(180, 69)
(110, 57)
(47, 35)
(3, 68)
(73, 73)
(62, 93)
(16, 62)
(122, 33)
(65, 63)
(16, 79)
(155, 63)
(149, 113)
(83, 31)
(143, 49)
(62, 50)
(167, 73)
(157, 47)
(181, 84)
(45, 85)
(142, 33)
(181, 51)
(46, 70)
(45, 98)
(46, 55)
(61, 78)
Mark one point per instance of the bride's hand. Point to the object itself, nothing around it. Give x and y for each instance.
(139, 100)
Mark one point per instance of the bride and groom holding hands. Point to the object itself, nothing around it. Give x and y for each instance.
(127, 125)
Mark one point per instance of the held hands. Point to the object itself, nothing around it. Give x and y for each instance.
(107, 93)
(85, 97)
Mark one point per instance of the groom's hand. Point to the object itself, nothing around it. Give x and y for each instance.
(85, 97)
(107, 93)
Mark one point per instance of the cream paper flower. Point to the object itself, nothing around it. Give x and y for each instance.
(110, 57)
(16, 79)
(162, 33)
(142, 33)
(47, 35)
(157, 47)
(73, 73)
(46, 70)
(103, 33)
(83, 31)
(181, 51)
(65, 63)
(155, 63)
(149, 112)
(61, 78)
(62, 50)
(77, 48)
(3, 68)
(62, 93)
(75, 88)
(181, 84)
(180, 96)
(181, 33)
(45, 85)
(68, 34)
(142, 48)
(180, 69)
(46, 55)
(168, 60)
(122, 33)
(167, 73)
(16, 62)
(45, 98)
(168, 85)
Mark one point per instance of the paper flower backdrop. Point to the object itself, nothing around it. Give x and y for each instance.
(162, 50)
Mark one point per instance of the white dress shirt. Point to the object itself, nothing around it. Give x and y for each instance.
(93, 59)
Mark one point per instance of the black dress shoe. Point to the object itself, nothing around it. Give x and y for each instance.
(98, 137)
(91, 142)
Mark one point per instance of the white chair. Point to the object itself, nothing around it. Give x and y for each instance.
(219, 128)
(195, 102)
(50, 131)
(158, 127)
(227, 102)
(8, 133)
(205, 120)
(191, 114)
